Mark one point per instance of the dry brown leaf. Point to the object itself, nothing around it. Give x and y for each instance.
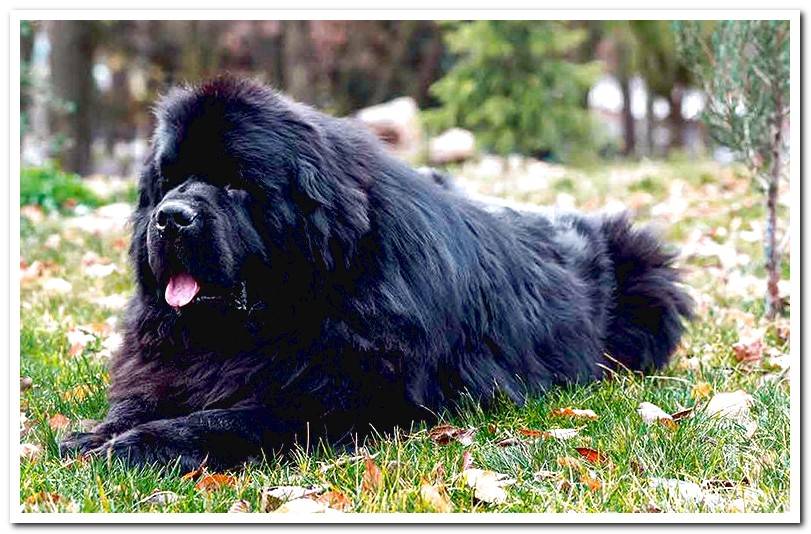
(435, 496)
(240, 507)
(372, 476)
(275, 496)
(336, 500)
(682, 414)
(592, 456)
(750, 347)
(591, 481)
(196, 473)
(445, 434)
(58, 422)
(215, 481)
(508, 442)
(574, 412)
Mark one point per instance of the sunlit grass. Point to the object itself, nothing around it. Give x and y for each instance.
(698, 450)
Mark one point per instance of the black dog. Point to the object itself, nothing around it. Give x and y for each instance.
(294, 281)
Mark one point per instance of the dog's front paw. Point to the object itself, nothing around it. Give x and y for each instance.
(142, 448)
(80, 443)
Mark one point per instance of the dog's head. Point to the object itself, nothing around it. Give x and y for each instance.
(242, 188)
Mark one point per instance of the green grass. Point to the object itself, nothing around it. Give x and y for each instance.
(699, 449)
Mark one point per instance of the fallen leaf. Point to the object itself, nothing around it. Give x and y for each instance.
(574, 412)
(713, 483)
(57, 285)
(488, 486)
(562, 433)
(750, 347)
(556, 433)
(30, 451)
(58, 422)
(682, 414)
(686, 491)
(650, 413)
(33, 213)
(336, 500)
(195, 473)
(275, 496)
(372, 476)
(435, 497)
(467, 460)
(592, 456)
(701, 390)
(731, 405)
(78, 339)
(215, 481)
(99, 270)
(26, 382)
(161, 498)
(49, 502)
(240, 507)
(445, 434)
(591, 481)
(508, 442)
(29, 273)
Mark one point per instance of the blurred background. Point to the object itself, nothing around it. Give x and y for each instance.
(570, 92)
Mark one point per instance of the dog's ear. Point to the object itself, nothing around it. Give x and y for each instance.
(333, 210)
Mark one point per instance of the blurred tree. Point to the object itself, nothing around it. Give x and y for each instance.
(743, 67)
(73, 46)
(665, 74)
(26, 51)
(517, 86)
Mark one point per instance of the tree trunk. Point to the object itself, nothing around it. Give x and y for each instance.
(650, 124)
(628, 124)
(773, 303)
(676, 118)
(72, 47)
(297, 58)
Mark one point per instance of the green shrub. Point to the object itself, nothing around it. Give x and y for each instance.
(53, 189)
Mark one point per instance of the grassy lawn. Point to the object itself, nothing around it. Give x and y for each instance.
(76, 276)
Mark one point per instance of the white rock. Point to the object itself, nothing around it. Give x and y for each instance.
(451, 146)
(396, 122)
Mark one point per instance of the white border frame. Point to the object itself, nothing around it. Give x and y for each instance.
(17, 516)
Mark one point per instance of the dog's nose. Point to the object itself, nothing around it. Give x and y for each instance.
(174, 215)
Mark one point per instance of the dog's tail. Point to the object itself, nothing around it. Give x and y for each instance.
(650, 304)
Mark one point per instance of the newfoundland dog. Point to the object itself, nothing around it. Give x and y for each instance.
(295, 281)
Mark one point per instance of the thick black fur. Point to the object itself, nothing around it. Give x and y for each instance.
(343, 289)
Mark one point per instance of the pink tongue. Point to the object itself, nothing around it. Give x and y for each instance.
(181, 290)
